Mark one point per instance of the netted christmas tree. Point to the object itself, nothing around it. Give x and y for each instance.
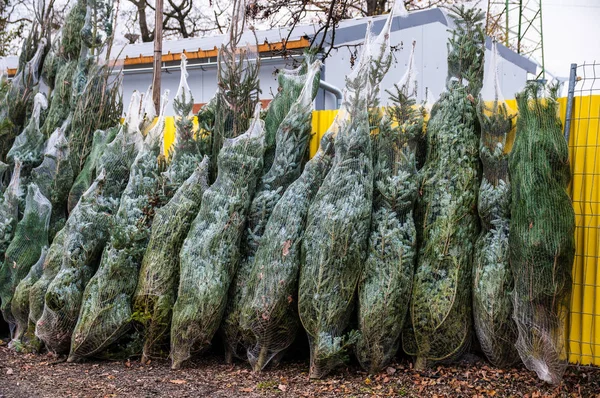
(337, 227)
(18, 100)
(85, 234)
(210, 253)
(448, 226)
(24, 339)
(269, 315)
(106, 305)
(291, 139)
(492, 277)
(385, 285)
(159, 275)
(541, 236)
(28, 146)
(31, 235)
(9, 208)
(237, 80)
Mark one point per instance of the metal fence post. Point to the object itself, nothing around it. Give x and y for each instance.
(570, 95)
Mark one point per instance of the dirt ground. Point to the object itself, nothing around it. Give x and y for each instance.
(33, 376)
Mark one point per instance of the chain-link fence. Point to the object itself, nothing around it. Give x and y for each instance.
(582, 130)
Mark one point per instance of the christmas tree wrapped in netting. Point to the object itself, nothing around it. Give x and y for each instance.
(85, 234)
(90, 169)
(66, 60)
(269, 314)
(24, 339)
(385, 285)
(492, 277)
(31, 235)
(54, 176)
(291, 139)
(337, 226)
(440, 310)
(237, 79)
(155, 294)
(290, 83)
(106, 305)
(210, 253)
(9, 208)
(541, 236)
(28, 146)
(18, 100)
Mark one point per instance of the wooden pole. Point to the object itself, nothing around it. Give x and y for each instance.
(156, 74)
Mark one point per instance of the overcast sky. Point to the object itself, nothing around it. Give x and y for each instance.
(571, 33)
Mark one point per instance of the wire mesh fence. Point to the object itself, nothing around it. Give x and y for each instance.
(582, 129)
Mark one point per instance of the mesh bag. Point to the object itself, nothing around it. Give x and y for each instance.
(90, 169)
(31, 235)
(292, 141)
(210, 252)
(291, 82)
(60, 99)
(492, 278)
(19, 99)
(106, 305)
(54, 177)
(28, 146)
(71, 31)
(440, 309)
(51, 64)
(385, 285)
(268, 314)
(86, 232)
(9, 209)
(3, 174)
(541, 238)
(337, 227)
(24, 339)
(159, 274)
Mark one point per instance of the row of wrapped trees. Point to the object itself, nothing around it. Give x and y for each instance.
(120, 248)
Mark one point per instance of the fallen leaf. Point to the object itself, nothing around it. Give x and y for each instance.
(368, 381)
(282, 387)
(9, 371)
(246, 389)
(177, 381)
(390, 370)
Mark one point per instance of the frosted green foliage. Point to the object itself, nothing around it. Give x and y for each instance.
(24, 338)
(90, 169)
(31, 235)
(19, 99)
(335, 242)
(9, 208)
(54, 176)
(3, 175)
(292, 139)
(86, 232)
(210, 253)
(29, 145)
(50, 66)
(385, 286)
(60, 99)
(50, 268)
(269, 317)
(159, 275)
(541, 237)
(106, 306)
(440, 314)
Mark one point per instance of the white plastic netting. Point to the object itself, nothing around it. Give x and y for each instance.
(85, 234)
(292, 139)
(31, 235)
(210, 253)
(9, 208)
(106, 304)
